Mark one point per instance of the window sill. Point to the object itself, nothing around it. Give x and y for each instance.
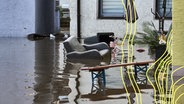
(110, 18)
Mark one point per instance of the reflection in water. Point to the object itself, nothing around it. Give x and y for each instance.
(16, 71)
(52, 73)
(60, 78)
(118, 93)
(44, 66)
(53, 80)
(108, 93)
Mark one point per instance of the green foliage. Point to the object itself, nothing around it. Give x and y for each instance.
(149, 35)
(61, 11)
(59, 8)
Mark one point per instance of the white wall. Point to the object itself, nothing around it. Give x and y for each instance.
(17, 18)
(65, 3)
(144, 10)
(90, 25)
(73, 17)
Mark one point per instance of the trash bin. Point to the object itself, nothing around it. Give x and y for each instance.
(105, 37)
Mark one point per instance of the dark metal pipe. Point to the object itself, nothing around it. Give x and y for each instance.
(164, 14)
(78, 20)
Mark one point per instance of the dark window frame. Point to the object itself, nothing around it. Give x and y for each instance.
(157, 11)
(100, 16)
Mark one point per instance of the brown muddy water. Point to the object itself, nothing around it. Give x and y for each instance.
(36, 72)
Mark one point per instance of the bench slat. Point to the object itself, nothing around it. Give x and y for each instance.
(115, 65)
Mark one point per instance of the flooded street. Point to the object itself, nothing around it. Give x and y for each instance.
(36, 72)
(17, 71)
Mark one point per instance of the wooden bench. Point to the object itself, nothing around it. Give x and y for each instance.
(99, 71)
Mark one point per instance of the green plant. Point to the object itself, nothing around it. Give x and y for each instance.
(59, 8)
(149, 36)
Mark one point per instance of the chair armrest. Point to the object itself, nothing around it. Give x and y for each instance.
(98, 46)
(86, 55)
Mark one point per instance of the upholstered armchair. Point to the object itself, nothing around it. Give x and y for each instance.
(76, 51)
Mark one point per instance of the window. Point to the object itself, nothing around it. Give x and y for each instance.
(160, 5)
(111, 9)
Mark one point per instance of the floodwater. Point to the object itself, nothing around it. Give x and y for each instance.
(36, 72)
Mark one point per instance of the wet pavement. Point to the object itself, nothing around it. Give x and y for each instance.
(36, 72)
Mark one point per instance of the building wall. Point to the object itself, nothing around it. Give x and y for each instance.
(17, 18)
(64, 2)
(90, 25)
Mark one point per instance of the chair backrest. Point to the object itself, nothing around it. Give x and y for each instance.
(72, 44)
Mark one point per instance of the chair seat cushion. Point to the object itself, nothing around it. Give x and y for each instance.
(103, 52)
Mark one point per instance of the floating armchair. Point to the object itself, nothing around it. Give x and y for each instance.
(83, 52)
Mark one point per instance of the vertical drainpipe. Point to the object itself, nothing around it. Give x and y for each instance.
(78, 20)
(164, 15)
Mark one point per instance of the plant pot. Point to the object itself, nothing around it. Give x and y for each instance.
(159, 51)
(156, 52)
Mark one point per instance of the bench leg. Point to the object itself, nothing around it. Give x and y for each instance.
(100, 76)
(139, 68)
